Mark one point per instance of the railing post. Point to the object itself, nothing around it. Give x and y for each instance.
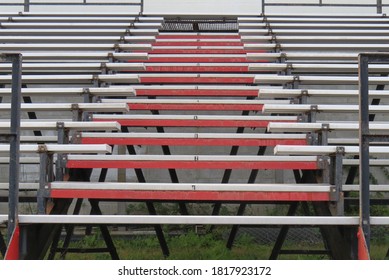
(26, 5)
(263, 6)
(364, 168)
(14, 140)
(379, 6)
(142, 2)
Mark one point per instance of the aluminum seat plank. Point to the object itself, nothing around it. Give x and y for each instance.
(191, 187)
(193, 220)
(52, 125)
(310, 127)
(324, 150)
(100, 91)
(304, 108)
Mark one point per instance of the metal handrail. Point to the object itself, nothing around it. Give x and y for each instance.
(14, 140)
(28, 3)
(379, 5)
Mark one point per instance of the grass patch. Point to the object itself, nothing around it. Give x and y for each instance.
(192, 246)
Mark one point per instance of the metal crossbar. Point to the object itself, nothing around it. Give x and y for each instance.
(27, 4)
(379, 5)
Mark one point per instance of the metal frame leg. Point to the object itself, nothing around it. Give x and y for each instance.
(172, 172)
(227, 173)
(104, 231)
(242, 206)
(283, 233)
(149, 204)
(3, 245)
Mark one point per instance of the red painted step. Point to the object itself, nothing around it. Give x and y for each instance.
(190, 196)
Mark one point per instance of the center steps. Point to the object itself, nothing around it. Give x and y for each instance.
(194, 102)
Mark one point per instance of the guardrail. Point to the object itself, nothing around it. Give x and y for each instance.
(28, 3)
(379, 5)
(14, 139)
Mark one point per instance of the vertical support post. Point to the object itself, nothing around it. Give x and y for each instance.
(379, 6)
(364, 171)
(14, 168)
(263, 7)
(26, 5)
(142, 3)
(43, 174)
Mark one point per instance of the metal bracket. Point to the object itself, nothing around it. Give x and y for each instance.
(325, 127)
(334, 196)
(289, 66)
(76, 138)
(277, 47)
(322, 162)
(95, 80)
(103, 67)
(42, 148)
(311, 138)
(86, 91)
(61, 125)
(340, 151)
(111, 57)
(5, 138)
(62, 160)
(296, 78)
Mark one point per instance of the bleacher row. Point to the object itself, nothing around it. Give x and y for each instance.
(116, 80)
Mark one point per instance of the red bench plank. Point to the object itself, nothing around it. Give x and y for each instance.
(193, 59)
(198, 43)
(191, 123)
(191, 69)
(182, 164)
(196, 107)
(196, 92)
(192, 141)
(203, 36)
(191, 195)
(196, 80)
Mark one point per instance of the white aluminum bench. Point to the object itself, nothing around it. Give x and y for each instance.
(316, 67)
(317, 80)
(73, 79)
(319, 126)
(317, 47)
(83, 56)
(124, 19)
(79, 32)
(79, 25)
(328, 93)
(59, 148)
(310, 150)
(304, 55)
(93, 91)
(306, 108)
(72, 125)
(82, 50)
(194, 220)
(74, 67)
(84, 107)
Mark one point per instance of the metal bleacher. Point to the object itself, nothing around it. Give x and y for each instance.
(214, 111)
